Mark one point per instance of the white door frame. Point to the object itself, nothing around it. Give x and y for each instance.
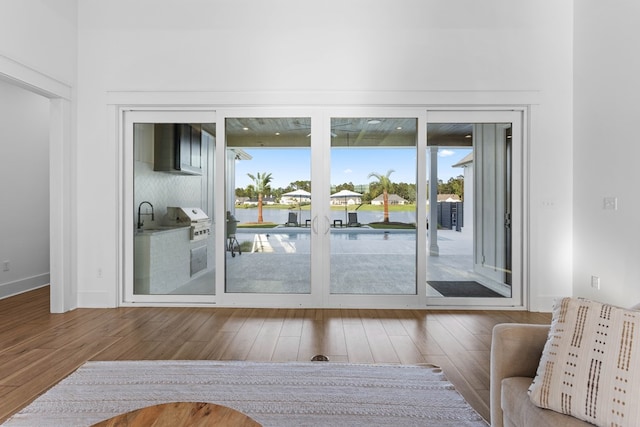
(388, 301)
(519, 221)
(62, 173)
(127, 117)
(313, 299)
(320, 119)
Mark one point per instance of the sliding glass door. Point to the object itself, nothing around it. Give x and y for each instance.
(321, 209)
(373, 206)
(475, 208)
(324, 207)
(169, 206)
(268, 215)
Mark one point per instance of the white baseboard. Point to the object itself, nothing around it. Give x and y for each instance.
(23, 285)
(95, 299)
(544, 303)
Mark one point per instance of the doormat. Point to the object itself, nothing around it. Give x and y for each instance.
(463, 289)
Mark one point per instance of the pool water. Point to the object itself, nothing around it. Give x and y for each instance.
(361, 235)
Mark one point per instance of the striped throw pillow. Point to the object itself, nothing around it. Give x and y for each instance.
(590, 365)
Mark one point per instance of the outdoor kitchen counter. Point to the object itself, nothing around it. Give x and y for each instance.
(162, 260)
(160, 229)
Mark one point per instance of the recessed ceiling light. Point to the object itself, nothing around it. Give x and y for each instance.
(245, 128)
(373, 122)
(277, 133)
(467, 136)
(399, 128)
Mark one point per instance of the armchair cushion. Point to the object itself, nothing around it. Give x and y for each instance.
(519, 411)
(515, 352)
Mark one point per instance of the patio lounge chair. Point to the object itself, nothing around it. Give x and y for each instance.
(292, 221)
(352, 220)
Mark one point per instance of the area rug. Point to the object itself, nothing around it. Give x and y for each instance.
(273, 394)
(463, 289)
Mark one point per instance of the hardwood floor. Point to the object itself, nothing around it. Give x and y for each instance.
(38, 349)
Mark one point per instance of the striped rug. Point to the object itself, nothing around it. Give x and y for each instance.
(273, 394)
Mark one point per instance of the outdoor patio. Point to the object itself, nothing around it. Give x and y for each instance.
(363, 261)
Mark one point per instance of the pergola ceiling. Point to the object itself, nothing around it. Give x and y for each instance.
(449, 134)
(345, 132)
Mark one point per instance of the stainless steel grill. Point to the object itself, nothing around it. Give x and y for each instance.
(194, 217)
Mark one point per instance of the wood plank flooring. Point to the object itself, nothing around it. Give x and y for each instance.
(38, 349)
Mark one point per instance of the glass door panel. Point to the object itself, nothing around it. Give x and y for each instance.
(168, 167)
(472, 207)
(268, 205)
(373, 206)
(173, 174)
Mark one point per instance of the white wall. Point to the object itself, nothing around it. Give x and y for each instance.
(41, 34)
(24, 222)
(607, 242)
(357, 52)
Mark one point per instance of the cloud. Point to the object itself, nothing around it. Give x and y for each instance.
(445, 153)
(347, 171)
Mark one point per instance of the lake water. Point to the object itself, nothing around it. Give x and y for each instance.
(280, 216)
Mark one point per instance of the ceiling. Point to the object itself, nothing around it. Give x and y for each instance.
(345, 132)
(450, 134)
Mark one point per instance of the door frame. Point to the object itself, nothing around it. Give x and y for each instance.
(127, 117)
(63, 281)
(388, 301)
(320, 118)
(518, 116)
(224, 298)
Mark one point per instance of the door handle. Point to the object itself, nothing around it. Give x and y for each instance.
(314, 224)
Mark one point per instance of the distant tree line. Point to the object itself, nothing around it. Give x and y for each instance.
(250, 190)
(454, 185)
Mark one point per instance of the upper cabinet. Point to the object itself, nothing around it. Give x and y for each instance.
(178, 148)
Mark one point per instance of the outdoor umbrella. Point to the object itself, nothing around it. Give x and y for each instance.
(345, 194)
(300, 194)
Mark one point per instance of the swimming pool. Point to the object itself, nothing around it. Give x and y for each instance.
(339, 234)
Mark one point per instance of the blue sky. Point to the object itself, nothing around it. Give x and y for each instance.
(347, 165)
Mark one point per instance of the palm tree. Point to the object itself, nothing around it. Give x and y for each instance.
(385, 183)
(261, 182)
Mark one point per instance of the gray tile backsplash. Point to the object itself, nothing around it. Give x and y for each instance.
(164, 189)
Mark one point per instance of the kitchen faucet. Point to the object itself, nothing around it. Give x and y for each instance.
(152, 214)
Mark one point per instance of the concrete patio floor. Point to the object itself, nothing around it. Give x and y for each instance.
(363, 261)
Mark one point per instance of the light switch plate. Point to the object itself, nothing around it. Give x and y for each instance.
(610, 203)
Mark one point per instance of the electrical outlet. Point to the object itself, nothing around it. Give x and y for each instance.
(99, 273)
(5, 265)
(595, 282)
